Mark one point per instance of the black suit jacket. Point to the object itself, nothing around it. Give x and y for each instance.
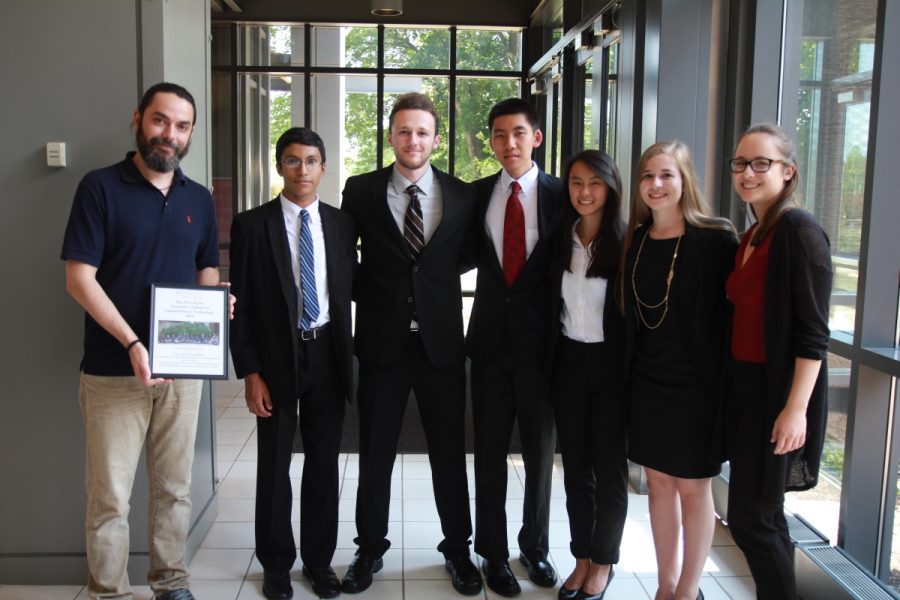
(264, 330)
(389, 280)
(515, 318)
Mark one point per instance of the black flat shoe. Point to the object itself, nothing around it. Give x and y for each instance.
(499, 578)
(325, 583)
(464, 575)
(277, 585)
(567, 594)
(700, 594)
(540, 572)
(359, 574)
(583, 596)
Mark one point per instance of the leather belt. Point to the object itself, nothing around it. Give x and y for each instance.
(314, 333)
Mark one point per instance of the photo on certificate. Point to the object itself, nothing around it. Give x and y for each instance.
(188, 331)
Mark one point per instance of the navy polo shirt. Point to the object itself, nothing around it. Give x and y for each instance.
(135, 236)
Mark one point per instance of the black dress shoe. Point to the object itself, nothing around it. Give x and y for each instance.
(359, 573)
(585, 596)
(277, 585)
(540, 572)
(179, 594)
(325, 583)
(464, 575)
(500, 578)
(567, 594)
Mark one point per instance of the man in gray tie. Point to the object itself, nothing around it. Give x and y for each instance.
(412, 220)
(292, 263)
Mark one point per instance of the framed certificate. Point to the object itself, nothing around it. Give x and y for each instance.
(188, 331)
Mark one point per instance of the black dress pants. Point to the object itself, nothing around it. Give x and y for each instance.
(440, 396)
(504, 393)
(590, 422)
(321, 414)
(757, 525)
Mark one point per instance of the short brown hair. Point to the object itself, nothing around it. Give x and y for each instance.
(414, 101)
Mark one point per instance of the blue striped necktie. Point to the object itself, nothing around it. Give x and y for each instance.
(307, 275)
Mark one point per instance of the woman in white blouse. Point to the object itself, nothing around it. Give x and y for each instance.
(587, 382)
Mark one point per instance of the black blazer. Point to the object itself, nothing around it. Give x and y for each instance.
(513, 318)
(389, 280)
(705, 259)
(264, 336)
(613, 323)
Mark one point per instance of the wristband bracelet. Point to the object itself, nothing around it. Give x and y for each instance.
(132, 345)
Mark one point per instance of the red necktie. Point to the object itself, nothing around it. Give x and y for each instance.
(513, 236)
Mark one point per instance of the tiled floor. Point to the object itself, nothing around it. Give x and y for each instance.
(224, 568)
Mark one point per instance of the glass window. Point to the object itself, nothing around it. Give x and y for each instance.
(420, 48)
(353, 47)
(474, 98)
(221, 132)
(894, 576)
(612, 99)
(833, 106)
(360, 149)
(488, 50)
(820, 505)
(271, 45)
(589, 133)
(345, 115)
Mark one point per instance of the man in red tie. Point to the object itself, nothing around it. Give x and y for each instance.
(517, 211)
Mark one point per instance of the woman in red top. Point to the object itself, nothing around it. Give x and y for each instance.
(780, 288)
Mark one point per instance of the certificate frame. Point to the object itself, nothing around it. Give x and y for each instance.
(188, 331)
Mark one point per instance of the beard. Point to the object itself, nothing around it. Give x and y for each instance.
(160, 163)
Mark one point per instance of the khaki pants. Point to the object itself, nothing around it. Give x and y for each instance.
(120, 417)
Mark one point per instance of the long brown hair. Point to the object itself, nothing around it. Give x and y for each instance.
(786, 199)
(694, 208)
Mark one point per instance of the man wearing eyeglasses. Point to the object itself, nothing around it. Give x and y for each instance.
(292, 262)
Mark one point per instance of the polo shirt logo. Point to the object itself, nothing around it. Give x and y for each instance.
(189, 219)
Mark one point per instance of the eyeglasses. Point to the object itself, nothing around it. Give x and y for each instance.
(759, 165)
(292, 162)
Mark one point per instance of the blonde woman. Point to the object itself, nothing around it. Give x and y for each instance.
(677, 256)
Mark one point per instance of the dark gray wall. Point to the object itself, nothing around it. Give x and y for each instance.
(72, 73)
(458, 12)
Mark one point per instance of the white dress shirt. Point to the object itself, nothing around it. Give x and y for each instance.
(430, 198)
(292, 225)
(496, 212)
(583, 298)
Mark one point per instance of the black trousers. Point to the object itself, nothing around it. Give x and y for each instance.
(321, 414)
(504, 393)
(758, 527)
(440, 396)
(591, 424)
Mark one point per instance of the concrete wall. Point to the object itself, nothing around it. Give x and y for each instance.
(73, 72)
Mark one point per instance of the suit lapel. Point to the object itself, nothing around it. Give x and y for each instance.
(281, 255)
(484, 201)
(548, 211)
(449, 210)
(379, 193)
(330, 233)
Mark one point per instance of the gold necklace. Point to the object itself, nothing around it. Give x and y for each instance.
(669, 278)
